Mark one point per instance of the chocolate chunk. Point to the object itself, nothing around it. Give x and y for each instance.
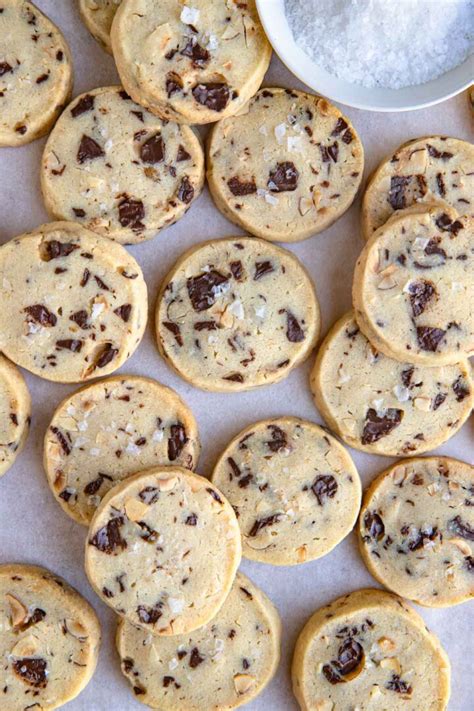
(214, 495)
(460, 390)
(204, 289)
(64, 440)
(433, 248)
(182, 154)
(439, 399)
(101, 283)
(32, 671)
(397, 684)
(294, 332)
(234, 466)
(205, 326)
(176, 441)
(124, 312)
(108, 538)
(70, 344)
(434, 153)
(445, 224)
(376, 427)
(131, 213)
(262, 268)
(4, 68)
(149, 615)
(40, 314)
(200, 56)
(107, 354)
(153, 150)
(279, 439)
(149, 495)
(32, 619)
(331, 675)
(242, 187)
(234, 377)
(340, 126)
(374, 525)
(175, 330)
(429, 337)
(469, 563)
(195, 659)
(418, 537)
(441, 185)
(79, 212)
(88, 149)
(85, 277)
(191, 520)
(185, 191)
(215, 96)
(42, 78)
(396, 195)
(263, 523)
(174, 83)
(350, 654)
(461, 528)
(237, 269)
(284, 178)
(85, 103)
(81, 318)
(93, 486)
(124, 96)
(324, 487)
(54, 249)
(421, 292)
(406, 375)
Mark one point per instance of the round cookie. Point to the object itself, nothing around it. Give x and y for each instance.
(236, 313)
(294, 488)
(369, 650)
(381, 406)
(35, 73)
(416, 530)
(119, 170)
(222, 665)
(49, 641)
(97, 16)
(74, 305)
(413, 289)
(15, 414)
(106, 431)
(163, 550)
(192, 63)
(429, 169)
(286, 167)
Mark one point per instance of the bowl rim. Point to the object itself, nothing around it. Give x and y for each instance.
(276, 26)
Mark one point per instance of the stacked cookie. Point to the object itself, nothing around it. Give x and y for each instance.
(164, 544)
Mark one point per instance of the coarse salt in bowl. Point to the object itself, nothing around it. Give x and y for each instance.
(278, 30)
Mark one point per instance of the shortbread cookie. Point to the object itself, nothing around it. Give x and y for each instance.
(236, 313)
(192, 63)
(413, 289)
(379, 405)
(286, 167)
(163, 549)
(98, 16)
(108, 430)
(35, 73)
(417, 530)
(369, 650)
(49, 641)
(119, 170)
(294, 488)
(222, 665)
(430, 169)
(74, 305)
(15, 413)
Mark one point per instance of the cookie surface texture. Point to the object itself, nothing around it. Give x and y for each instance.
(109, 430)
(74, 305)
(382, 406)
(236, 313)
(98, 16)
(416, 530)
(222, 665)
(431, 169)
(15, 413)
(35, 73)
(195, 63)
(163, 550)
(285, 168)
(294, 488)
(119, 170)
(368, 650)
(49, 642)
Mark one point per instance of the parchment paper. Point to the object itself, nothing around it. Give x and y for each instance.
(33, 527)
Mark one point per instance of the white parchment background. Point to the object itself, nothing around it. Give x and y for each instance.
(34, 529)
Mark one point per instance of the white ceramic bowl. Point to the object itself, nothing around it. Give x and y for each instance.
(272, 15)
